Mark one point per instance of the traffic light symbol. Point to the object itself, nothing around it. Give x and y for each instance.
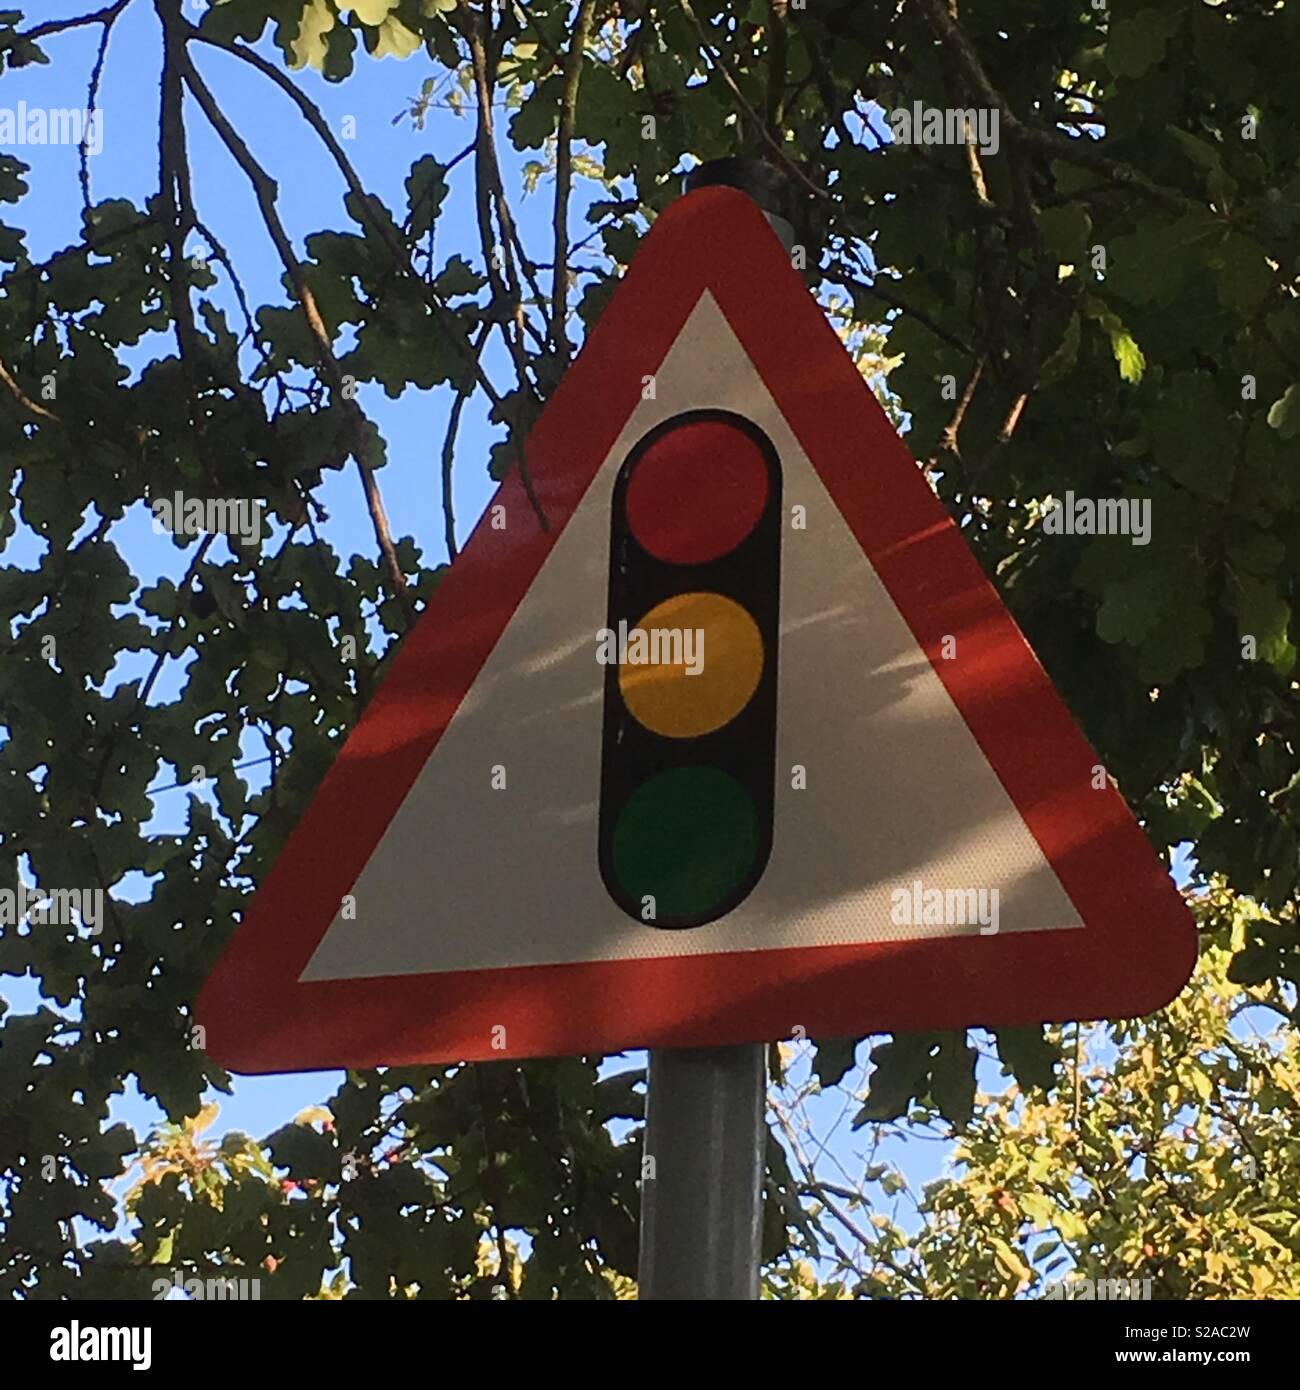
(689, 739)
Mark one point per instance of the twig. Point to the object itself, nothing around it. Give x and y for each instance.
(1013, 418)
(564, 174)
(222, 257)
(174, 191)
(92, 104)
(635, 42)
(759, 124)
(491, 1189)
(777, 64)
(948, 440)
(23, 398)
(830, 97)
(59, 26)
(142, 699)
(505, 294)
(448, 454)
(896, 301)
(976, 169)
(90, 244)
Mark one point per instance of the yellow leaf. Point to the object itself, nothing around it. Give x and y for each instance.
(397, 39)
(309, 47)
(1010, 1263)
(204, 1118)
(1070, 1226)
(373, 11)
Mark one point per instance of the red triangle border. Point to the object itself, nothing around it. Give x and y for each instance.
(1134, 954)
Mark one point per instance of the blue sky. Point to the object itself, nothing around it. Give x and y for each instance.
(310, 198)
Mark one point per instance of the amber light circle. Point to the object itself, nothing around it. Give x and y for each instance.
(664, 695)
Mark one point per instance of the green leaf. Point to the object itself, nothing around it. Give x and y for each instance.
(1128, 356)
(1132, 607)
(1253, 966)
(1061, 363)
(1262, 613)
(1245, 277)
(1028, 1055)
(1066, 231)
(1150, 264)
(952, 1080)
(1041, 1210)
(373, 11)
(306, 1153)
(900, 1071)
(1009, 1261)
(458, 277)
(1208, 157)
(1138, 43)
(1195, 440)
(426, 188)
(1259, 552)
(833, 1058)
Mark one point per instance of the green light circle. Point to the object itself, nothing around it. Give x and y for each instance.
(687, 837)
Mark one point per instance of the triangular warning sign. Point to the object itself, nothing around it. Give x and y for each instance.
(853, 802)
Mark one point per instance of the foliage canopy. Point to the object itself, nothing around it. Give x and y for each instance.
(1106, 305)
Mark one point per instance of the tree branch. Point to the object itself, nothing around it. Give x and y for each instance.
(60, 26)
(777, 66)
(266, 193)
(758, 122)
(896, 301)
(1078, 150)
(92, 103)
(448, 455)
(174, 191)
(564, 174)
(23, 398)
(312, 114)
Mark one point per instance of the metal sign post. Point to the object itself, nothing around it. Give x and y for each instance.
(701, 1202)
(702, 1183)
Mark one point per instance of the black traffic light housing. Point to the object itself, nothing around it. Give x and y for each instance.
(685, 827)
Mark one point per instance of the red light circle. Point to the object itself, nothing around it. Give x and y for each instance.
(696, 492)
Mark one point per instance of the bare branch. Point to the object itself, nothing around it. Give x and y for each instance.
(92, 105)
(448, 455)
(564, 174)
(948, 440)
(60, 26)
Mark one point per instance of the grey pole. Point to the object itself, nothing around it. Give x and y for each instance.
(701, 1201)
(702, 1174)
